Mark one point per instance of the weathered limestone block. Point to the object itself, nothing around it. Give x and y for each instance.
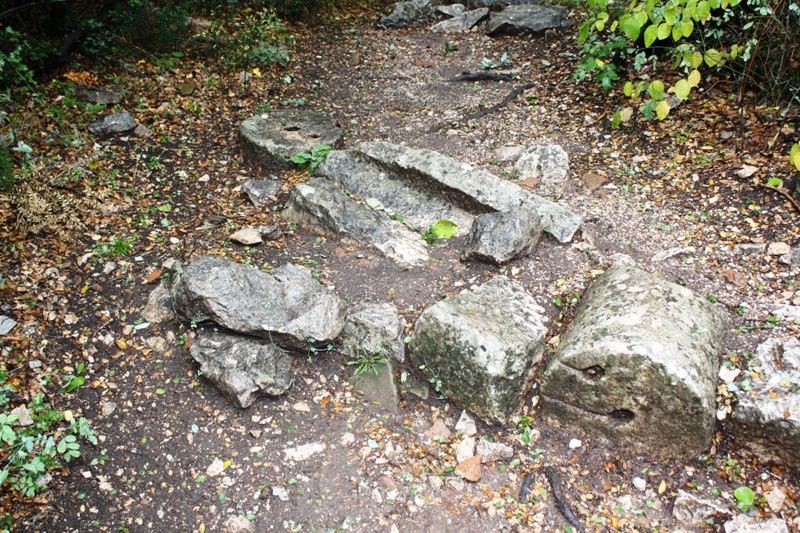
(527, 19)
(767, 418)
(241, 367)
(373, 329)
(638, 365)
(482, 346)
(269, 140)
(287, 307)
(501, 237)
(320, 207)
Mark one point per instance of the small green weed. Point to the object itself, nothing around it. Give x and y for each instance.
(367, 361)
(313, 159)
(489, 64)
(116, 248)
(443, 229)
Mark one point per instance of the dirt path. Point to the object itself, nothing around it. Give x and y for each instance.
(178, 457)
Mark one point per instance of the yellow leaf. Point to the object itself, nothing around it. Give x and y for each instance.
(662, 110)
(628, 89)
(202, 528)
(599, 62)
(664, 30)
(688, 27)
(68, 416)
(226, 464)
(122, 344)
(560, 282)
(682, 89)
(663, 487)
(626, 114)
(713, 58)
(694, 78)
(84, 289)
(257, 72)
(697, 59)
(794, 155)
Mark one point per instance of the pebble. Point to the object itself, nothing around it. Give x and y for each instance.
(778, 248)
(303, 452)
(438, 429)
(23, 416)
(493, 451)
(470, 469)
(107, 408)
(281, 493)
(639, 483)
(215, 468)
(466, 425)
(247, 236)
(574, 443)
(347, 439)
(465, 450)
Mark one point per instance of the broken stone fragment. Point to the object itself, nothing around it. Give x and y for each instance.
(407, 13)
(6, 324)
(471, 469)
(501, 237)
(159, 305)
(241, 367)
(482, 346)
(116, 123)
(373, 329)
(638, 365)
(451, 10)
(259, 191)
(98, 96)
(287, 307)
(526, 19)
(549, 164)
(248, 236)
(270, 139)
(462, 22)
(493, 451)
(767, 417)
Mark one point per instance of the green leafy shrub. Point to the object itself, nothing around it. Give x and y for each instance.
(312, 159)
(151, 28)
(17, 52)
(7, 177)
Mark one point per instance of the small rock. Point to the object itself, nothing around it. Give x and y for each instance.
(574, 443)
(438, 430)
(792, 258)
(142, 131)
(466, 424)
(303, 452)
(549, 164)
(672, 252)
(746, 171)
(157, 344)
(347, 439)
(690, 509)
(159, 306)
(302, 407)
(238, 524)
(747, 524)
(493, 451)
(778, 248)
(470, 469)
(509, 153)
(107, 408)
(462, 22)
(465, 450)
(749, 248)
(639, 483)
(215, 468)
(775, 499)
(247, 236)
(6, 325)
(23, 416)
(281, 493)
(98, 96)
(260, 191)
(270, 233)
(116, 123)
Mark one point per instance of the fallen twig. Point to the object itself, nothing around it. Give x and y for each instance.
(787, 193)
(482, 76)
(526, 485)
(561, 502)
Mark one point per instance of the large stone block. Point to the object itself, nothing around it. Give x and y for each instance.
(287, 307)
(481, 346)
(767, 417)
(638, 365)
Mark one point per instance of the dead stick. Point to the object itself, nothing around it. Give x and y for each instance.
(786, 193)
(561, 501)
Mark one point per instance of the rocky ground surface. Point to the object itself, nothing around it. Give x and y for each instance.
(174, 455)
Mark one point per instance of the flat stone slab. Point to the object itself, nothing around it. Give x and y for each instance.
(270, 139)
(462, 22)
(767, 417)
(6, 325)
(378, 385)
(482, 346)
(419, 202)
(242, 367)
(526, 19)
(476, 190)
(287, 307)
(638, 365)
(321, 207)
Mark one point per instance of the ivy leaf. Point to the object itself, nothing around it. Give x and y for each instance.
(775, 182)
(656, 90)
(650, 35)
(664, 30)
(617, 120)
(677, 31)
(631, 28)
(713, 57)
(688, 27)
(662, 110)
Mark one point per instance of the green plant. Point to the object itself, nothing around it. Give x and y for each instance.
(367, 361)
(488, 64)
(72, 382)
(794, 155)
(525, 428)
(745, 496)
(442, 229)
(143, 25)
(7, 177)
(35, 449)
(312, 159)
(116, 248)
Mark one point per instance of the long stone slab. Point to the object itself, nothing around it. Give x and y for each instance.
(469, 187)
(321, 207)
(419, 202)
(638, 365)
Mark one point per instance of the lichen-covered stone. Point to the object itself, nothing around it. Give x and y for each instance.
(373, 329)
(482, 346)
(270, 139)
(767, 417)
(527, 19)
(287, 307)
(241, 367)
(319, 206)
(638, 365)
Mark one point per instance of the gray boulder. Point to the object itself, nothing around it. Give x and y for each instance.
(549, 164)
(461, 22)
(501, 237)
(287, 307)
(477, 190)
(497, 5)
(98, 96)
(767, 417)
(269, 140)
(452, 10)
(373, 329)
(259, 191)
(242, 367)
(116, 123)
(482, 346)
(319, 206)
(638, 365)
(526, 19)
(159, 305)
(408, 13)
